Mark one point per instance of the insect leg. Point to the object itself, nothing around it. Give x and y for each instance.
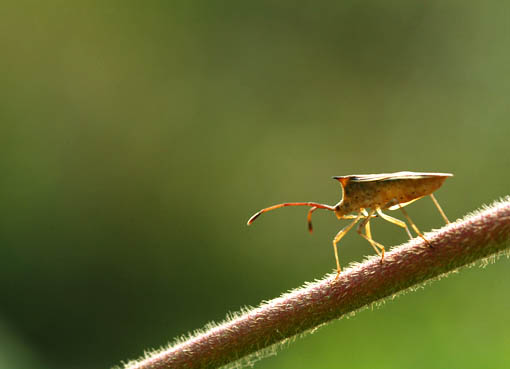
(309, 218)
(414, 225)
(379, 249)
(368, 232)
(339, 236)
(439, 208)
(395, 221)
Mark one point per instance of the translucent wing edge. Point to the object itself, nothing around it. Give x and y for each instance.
(394, 176)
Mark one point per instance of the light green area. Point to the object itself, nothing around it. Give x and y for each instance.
(136, 139)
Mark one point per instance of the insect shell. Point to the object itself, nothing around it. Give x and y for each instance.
(385, 191)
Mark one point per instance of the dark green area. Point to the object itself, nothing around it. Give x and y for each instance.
(136, 139)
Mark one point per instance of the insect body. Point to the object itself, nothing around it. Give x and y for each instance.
(366, 196)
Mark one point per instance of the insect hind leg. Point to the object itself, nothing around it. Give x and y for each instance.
(439, 208)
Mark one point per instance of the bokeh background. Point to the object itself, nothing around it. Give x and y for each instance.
(136, 139)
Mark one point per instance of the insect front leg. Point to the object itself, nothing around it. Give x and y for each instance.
(309, 218)
(339, 236)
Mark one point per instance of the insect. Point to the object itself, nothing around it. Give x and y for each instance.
(366, 196)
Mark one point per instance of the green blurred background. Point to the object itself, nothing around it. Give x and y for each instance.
(136, 139)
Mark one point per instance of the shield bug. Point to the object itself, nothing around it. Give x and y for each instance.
(366, 196)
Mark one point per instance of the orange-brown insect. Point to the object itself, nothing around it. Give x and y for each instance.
(366, 196)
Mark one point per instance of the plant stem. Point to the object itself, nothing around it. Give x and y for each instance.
(478, 236)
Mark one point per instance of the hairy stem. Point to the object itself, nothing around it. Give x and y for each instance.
(477, 236)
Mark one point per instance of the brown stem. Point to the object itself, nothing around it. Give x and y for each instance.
(245, 337)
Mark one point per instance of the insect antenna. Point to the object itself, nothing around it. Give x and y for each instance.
(309, 218)
(314, 206)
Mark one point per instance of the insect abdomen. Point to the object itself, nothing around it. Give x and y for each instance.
(406, 190)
